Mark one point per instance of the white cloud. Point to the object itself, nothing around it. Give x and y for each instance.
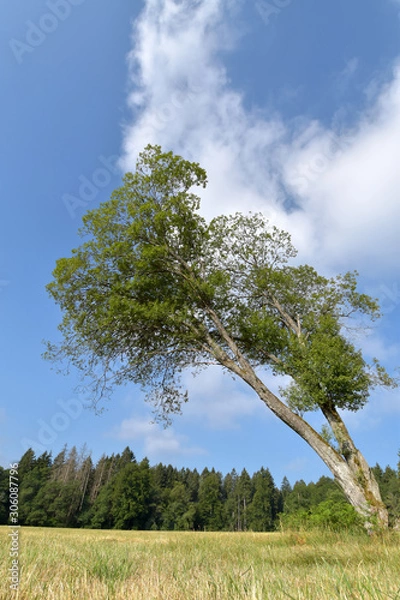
(345, 79)
(350, 67)
(374, 346)
(354, 199)
(345, 184)
(182, 100)
(219, 401)
(158, 443)
(381, 408)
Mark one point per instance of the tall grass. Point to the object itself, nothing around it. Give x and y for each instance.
(87, 564)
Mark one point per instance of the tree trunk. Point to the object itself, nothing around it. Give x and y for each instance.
(361, 473)
(349, 467)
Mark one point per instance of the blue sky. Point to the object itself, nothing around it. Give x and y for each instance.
(292, 107)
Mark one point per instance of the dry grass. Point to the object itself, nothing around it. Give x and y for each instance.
(85, 564)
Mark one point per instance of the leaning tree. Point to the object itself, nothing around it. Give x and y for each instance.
(155, 290)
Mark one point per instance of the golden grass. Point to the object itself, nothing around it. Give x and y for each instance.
(119, 565)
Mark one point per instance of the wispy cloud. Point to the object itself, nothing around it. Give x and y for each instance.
(381, 408)
(350, 68)
(157, 443)
(353, 201)
(220, 402)
(345, 78)
(341, 186)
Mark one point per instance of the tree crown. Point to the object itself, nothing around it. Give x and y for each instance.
(155, 289)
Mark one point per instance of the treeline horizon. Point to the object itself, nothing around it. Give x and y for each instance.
(119, 492)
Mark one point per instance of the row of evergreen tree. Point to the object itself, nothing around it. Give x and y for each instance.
(120, 492)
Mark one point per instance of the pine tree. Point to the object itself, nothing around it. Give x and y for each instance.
(210, 500)
(132, 495)
(230, 497)
(263, 509)
(244, 497)
(285, 491)
(99, 476)
(34, 476)
(3, 496)
(179, 513)
(58, 466)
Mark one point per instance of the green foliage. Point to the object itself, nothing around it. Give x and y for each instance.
(319, 505)
(131, 496)
(4, 504)
(99, 516)
(327, 370)
(389, 483)
(304, 496)
(121, 493)
(55, 505)
(124, 312)
(263, 507)
(180, 512)
(210, 500)
(330, 514)
(34, 474)
(154, 290)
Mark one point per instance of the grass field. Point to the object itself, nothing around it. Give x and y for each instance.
(89, 565)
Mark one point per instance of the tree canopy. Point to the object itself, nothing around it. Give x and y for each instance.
(145, 296)
(155, 289)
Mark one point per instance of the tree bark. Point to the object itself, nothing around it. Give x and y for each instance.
(349, 467)
(360, 471)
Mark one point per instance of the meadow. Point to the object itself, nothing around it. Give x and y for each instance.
(143, 565)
